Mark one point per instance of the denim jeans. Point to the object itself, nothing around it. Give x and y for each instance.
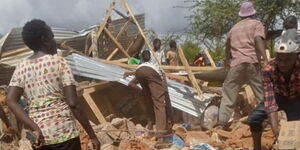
(290, 106)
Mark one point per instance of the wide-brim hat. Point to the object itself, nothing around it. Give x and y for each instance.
(247, 9)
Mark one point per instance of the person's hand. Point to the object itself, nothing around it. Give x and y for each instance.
(126, 74)
(96, 143)
(11, 132)
(40, 141)
(226, 64)
(265, 63)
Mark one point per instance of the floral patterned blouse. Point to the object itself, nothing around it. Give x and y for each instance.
(42, 80)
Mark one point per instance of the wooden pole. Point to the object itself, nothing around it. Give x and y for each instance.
(174, 68)
(190, 73)
(101, 27)
(123, 29)
(130, 13)
(67, 47)
(112, 54)
(86, 95)
(268, 54)
(116, 42)
(212, 62)
(128, 48)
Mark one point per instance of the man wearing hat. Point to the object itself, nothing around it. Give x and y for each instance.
(244, 48)
(281, 80)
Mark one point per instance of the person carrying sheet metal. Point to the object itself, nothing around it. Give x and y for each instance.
(153, 87)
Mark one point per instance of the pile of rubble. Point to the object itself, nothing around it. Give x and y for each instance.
(123, 134)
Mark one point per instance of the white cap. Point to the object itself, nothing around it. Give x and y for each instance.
(288, 42)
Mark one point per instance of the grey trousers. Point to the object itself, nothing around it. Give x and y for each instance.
(245, 73)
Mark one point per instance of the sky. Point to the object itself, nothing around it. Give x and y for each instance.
(161, 15)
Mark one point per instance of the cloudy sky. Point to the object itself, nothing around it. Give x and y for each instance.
(161, 15)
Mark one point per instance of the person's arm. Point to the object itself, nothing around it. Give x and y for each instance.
(4, 117)
(13, 95)
(168, 58)
(261, 48)
(227, 53)
(128, 73)
(73, 102)
(271, 106)
(259, 39)
(133, 84)
(70, 93)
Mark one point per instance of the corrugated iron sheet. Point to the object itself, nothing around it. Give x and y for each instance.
(76, 39)
(182, 96)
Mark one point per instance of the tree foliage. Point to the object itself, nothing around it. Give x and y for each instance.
(212, 19)
(190, 50)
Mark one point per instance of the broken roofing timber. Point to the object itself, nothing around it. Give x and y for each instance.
(182, 96)
(190, 73)
(166, 68)
(213, 64)
(94, 44)
(103, 27)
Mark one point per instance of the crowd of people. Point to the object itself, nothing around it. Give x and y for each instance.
(47, 83)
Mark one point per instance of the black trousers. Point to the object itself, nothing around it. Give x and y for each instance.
(288, 105)
(72, 144)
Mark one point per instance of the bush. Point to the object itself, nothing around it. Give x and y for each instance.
(190, 51)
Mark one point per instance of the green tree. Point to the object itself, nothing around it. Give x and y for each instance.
(167, 38)
(212, 19)
(190, 50)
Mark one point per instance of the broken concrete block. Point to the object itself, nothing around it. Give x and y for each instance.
(131, 127)
(109, 147)
(117, 122)
(133, 145)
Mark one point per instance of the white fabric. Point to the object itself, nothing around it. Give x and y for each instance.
(160, 55)
(151, 65)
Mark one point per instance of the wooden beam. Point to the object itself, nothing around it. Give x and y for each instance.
(15, 52)
(122, 60)
(101, 27)
(88, 98)
(116, 42)
(130, 13)
(67, 47)
(93, 85)
(249, 95)
(268, 54)
(123, 29)
(112, 54)
(116, 50)
(212, 62)
(190, 73)
(88, 43)
(174, 68)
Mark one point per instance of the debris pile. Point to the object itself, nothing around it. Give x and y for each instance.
(98, 58)
(121, 133)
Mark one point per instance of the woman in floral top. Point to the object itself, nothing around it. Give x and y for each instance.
(46, 81)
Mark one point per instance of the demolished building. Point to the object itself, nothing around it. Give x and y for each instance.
(183, 97)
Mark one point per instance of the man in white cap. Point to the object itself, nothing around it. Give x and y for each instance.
(244, 47)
